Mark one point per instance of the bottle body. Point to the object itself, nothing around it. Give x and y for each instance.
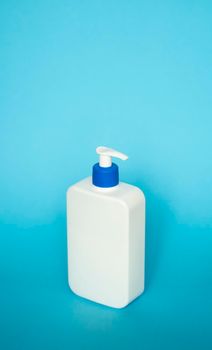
(106, 242)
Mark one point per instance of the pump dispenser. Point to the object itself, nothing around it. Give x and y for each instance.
(106, 235)
(106, 154)
(106, 173)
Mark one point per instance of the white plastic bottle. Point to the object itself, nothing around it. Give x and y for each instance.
(106, 235)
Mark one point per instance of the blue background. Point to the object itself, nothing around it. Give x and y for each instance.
(136, 76)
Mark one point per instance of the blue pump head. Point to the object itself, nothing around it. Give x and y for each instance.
(105, 173)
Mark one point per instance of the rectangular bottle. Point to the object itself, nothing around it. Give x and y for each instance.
(106, 236)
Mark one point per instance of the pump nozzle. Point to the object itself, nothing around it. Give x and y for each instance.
(106, 154)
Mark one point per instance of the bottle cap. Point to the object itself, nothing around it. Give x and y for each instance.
(106, 173)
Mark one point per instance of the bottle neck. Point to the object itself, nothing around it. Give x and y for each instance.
(105, 189)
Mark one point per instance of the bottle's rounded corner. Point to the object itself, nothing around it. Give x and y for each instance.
(70, 285)
(122, 305)
(72, 288)
(70, 189)
(141, 194)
